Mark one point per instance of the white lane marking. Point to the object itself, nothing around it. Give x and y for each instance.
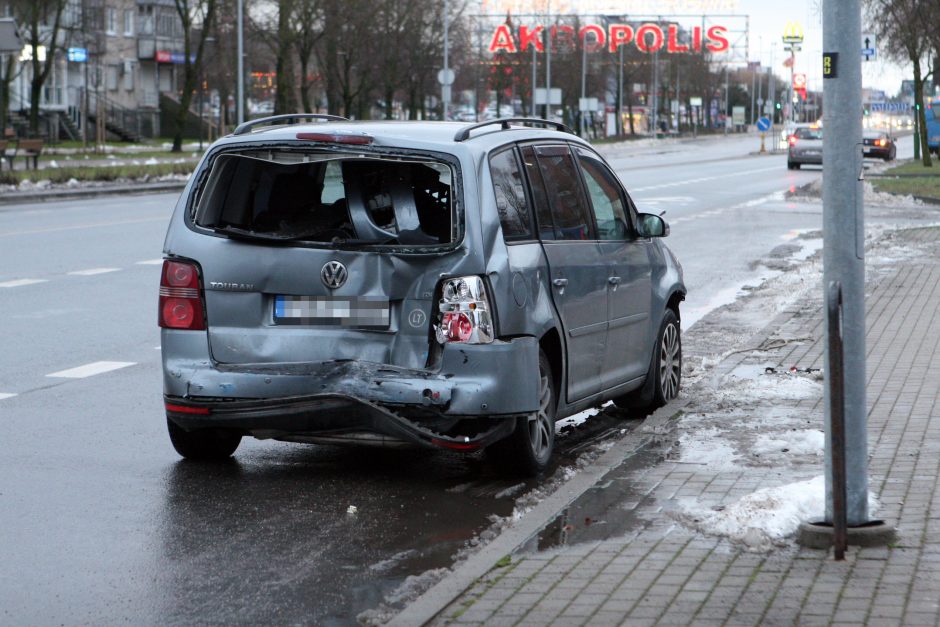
(93, 271)
(4, 395)
(149, 262)
(702, 180)
(89, 370)
(22, 282)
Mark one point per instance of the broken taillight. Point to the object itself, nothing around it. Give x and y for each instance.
(180, 297)
(464, 313)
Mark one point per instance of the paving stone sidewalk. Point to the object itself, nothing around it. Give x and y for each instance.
(665, 571)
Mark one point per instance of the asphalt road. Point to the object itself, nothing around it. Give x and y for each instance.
(100, 522)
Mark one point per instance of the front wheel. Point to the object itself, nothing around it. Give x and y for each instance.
(203, 444)
(528, 450)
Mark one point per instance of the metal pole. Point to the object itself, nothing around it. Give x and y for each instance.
(583, 84)
(753, 89)
(548, 68)
(445, 89)
(240, 108)
(727, 102)
(620, 94)
(837, 422)
(844, 241)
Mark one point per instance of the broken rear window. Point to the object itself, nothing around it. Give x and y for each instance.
(329, 199)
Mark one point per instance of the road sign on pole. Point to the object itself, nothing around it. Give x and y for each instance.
(868, 47)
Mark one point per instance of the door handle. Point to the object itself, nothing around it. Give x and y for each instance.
(560, 282)
(614, 280)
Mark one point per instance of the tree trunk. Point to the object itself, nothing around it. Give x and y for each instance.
(921, 114)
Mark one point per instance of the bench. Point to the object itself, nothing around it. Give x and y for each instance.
(28, 148)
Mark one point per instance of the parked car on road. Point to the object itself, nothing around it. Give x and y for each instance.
(439, 284)
(805, 146)
(878, 145)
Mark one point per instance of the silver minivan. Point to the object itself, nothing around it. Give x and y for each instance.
(429, 284)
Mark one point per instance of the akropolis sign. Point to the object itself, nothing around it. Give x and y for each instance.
(647, 37)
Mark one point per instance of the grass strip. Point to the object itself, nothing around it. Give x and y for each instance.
(104, 173)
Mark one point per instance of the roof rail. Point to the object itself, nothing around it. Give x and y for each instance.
(289, 118)
(464, 133)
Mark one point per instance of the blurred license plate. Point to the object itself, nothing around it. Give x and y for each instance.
(338, 312)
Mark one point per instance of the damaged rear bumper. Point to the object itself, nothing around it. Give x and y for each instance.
(322, 415)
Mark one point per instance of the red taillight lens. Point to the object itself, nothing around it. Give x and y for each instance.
(457, 326)
(180, 297)
(792, 140)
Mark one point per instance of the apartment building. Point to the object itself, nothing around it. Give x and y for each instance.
(114, 60)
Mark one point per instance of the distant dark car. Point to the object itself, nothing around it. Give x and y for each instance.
(805, 146)
(879, 145)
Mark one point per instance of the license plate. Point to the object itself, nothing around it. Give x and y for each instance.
(362, 313)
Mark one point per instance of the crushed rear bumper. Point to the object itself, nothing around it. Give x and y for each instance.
(323, 415)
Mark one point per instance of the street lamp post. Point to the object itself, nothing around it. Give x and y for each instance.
(240, 108)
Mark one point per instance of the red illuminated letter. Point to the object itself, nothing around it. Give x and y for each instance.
(673, 44)
(600, 37)
(502, 40)
(717, 42)
(649, 29)
(533, 37)
(620, 34)
(697, 38)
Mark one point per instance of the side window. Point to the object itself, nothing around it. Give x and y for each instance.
(560, 175)
(604, 191)
(543, 213)
(510, 196)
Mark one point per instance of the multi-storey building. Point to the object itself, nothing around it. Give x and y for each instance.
(115, 59)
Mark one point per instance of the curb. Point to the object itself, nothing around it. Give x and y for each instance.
(435, 600)
(16, 198)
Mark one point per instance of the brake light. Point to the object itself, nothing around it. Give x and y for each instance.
(337, 138)
(180, 297)
(792, 140)
(464, 312)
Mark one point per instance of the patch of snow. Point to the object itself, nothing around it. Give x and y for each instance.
(151, 161)
(390, 563)
(797, 442)
(708, 450)
(53, 164)
(767, 517)
(410, 589)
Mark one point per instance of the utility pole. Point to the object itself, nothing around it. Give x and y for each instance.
(240, 107)
(445, 89)
(844, 269)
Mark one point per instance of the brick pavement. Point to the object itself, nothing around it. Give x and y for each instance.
(666, 572)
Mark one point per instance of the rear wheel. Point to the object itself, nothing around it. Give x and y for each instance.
(665, 373)
(528, 450)
(203, 444)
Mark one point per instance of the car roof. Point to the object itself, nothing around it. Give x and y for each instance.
(427, 135)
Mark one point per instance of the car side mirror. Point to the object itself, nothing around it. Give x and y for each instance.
(651, 225)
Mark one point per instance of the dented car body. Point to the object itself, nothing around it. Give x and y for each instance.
(429, 284)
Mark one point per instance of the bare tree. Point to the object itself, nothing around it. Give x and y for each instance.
(307, 32)
(906, 27)
(42, 22)
(191, 13)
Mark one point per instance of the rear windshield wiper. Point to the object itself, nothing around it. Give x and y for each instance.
(236, 232)
(338, 242)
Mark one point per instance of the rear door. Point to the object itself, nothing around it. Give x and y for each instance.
(577, 272)
(629, 297)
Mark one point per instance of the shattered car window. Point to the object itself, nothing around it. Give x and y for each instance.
(327, 199)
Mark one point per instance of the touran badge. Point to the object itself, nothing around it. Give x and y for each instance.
(334, 274)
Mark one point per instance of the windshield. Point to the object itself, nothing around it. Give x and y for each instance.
(808, 133)
(329, 199)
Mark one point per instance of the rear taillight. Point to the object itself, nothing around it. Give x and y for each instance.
(180, 297)
(464, 314)
(882, 142)
(792, 140)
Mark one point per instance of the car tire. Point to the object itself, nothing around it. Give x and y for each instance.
(891, 155)
(203, 444)
(664, 376)
(528, 450)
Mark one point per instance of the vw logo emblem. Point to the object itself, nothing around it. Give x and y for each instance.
(334, 274)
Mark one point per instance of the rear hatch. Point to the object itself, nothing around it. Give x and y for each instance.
(324, 255)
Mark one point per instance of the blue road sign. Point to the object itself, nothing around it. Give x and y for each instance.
(763, 124)
(77, 55)
(890, 107)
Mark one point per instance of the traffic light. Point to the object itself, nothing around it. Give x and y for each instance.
(916, 106)
(778, 106)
